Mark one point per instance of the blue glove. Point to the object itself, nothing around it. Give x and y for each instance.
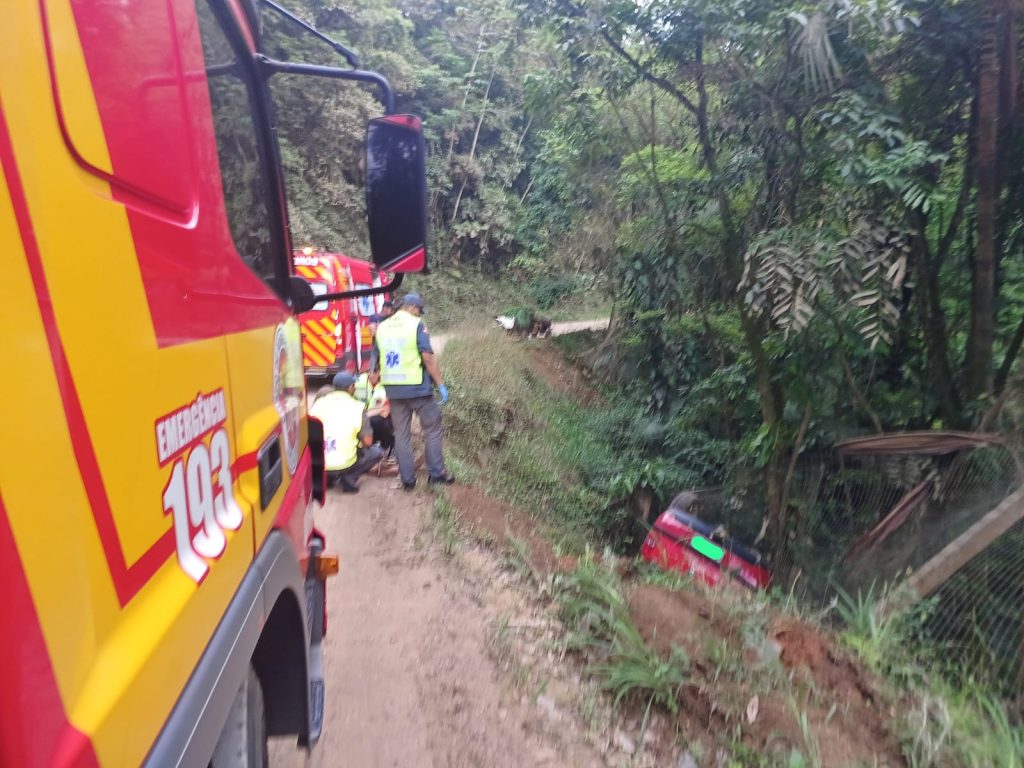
(442, 391)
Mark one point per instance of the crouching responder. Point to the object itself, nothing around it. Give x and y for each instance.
(348, 439)
(409, 371)
(370, 392)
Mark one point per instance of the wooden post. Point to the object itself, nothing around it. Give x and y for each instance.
(955, 555)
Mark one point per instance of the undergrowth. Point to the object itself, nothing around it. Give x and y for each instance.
(461, 296)
(947, 723)
(594, 611)
(538, 449)
(544, 452)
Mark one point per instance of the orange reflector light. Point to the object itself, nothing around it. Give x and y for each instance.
(324, 566)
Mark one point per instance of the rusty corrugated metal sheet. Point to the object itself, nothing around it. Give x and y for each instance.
(927, 443)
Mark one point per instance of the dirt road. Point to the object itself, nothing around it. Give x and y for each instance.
(412, 675)
(420, 634)
(557, 329)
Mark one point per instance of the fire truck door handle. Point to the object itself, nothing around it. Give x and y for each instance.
(270, 471)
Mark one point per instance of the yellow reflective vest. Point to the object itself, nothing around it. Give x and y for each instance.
(369, 395)
(376, 397)
(363, 388)
(342, 417)
(400, 361)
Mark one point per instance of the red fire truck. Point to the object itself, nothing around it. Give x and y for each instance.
(163, 584)
(336, 334)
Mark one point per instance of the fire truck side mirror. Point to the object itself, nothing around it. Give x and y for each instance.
(301, 293)
(396, 193)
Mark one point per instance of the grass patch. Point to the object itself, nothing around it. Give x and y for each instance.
(536, 448)
(594, 609)
(446, 526)
(872, 633)
(946, 724)
(465, 296)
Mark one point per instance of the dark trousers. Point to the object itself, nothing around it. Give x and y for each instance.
(383, 432)
(430, 419)
(368, 459)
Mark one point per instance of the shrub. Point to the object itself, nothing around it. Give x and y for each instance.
(548, 291)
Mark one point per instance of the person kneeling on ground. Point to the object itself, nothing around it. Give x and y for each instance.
(378, 409)
(370, 391)
(348, 439)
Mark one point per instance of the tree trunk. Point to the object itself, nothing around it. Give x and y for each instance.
(933, 327)
(453, 134)
(771, 400)
(982, 330)
(476, 139)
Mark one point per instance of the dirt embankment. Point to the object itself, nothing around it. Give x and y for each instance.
(505, 526)
(561, 376)
(776, 685)
(459, 660)
(414, 673)
(779, 684)
(757, 680)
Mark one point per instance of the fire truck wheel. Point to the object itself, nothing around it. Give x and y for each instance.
(243, 742)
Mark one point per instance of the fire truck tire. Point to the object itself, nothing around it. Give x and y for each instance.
(243, 742)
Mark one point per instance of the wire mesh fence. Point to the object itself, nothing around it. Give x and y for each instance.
(930, 523)
(974, 623)
(933, 514)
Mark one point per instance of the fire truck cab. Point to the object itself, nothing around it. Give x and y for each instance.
(163, 584)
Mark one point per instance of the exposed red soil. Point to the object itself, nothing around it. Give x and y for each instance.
(561, 375)
(802, 647)
(847, 719)
(665, 618)
(858, 729)
(501, 522)
(840, 736)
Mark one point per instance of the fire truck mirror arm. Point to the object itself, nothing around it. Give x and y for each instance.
(270, 67)
(301, 306)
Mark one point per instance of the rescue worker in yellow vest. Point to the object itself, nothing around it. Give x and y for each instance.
(409, 372)
(348, 440)
(371, 393)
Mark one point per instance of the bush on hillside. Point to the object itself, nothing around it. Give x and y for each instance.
(548, 291)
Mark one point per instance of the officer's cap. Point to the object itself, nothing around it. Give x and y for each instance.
(344, 380)
(413, 300)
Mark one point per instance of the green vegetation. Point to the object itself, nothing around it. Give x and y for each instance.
(873, 634)
(555, 451)
(530, 439)
(595, 613)
(465, 299)
(807, 223)
(446, 526)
